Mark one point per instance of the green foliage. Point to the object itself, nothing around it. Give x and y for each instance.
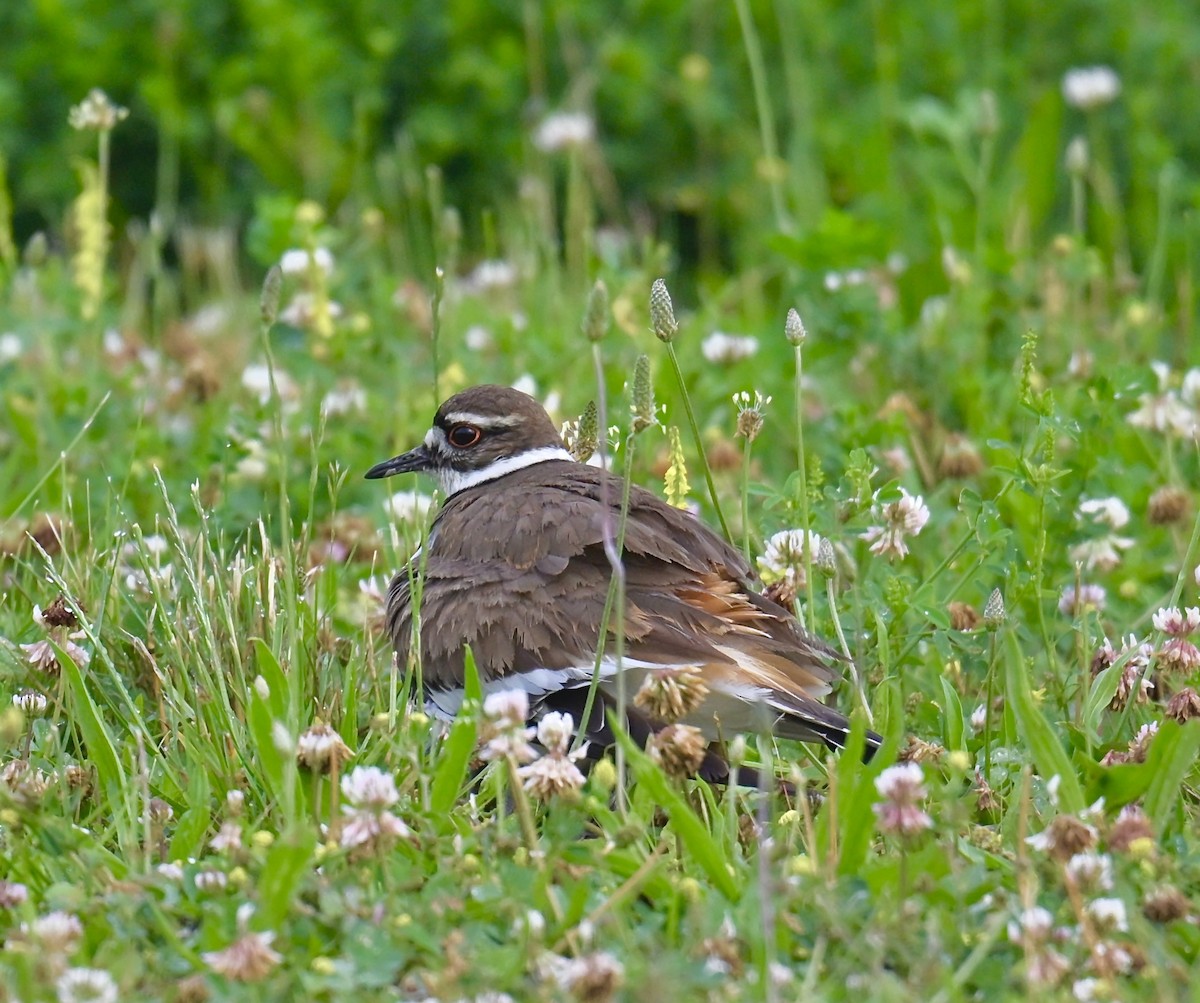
(981, 326)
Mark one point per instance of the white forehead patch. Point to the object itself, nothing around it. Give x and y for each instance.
(483, 420)
(434, 438)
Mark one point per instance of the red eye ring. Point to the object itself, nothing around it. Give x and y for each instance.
(463, 436)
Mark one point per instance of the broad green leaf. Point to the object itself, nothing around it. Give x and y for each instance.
(1100, 695)
(456, 750)
(1046, 750)
(190, 831)
(1173, 753)
(287, 863)
(268, 757)
(101, 751)
(272, 672)
(855, 780)
(1036, 157)
(953, 723)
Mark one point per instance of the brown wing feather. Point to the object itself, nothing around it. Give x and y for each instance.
(689, 601)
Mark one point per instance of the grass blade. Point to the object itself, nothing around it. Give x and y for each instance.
(692, 831)
(101, 751)
(1174, 752)
(456, 752)
(1047, 751)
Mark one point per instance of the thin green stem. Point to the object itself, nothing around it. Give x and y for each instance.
(989, 699)
(524, 809)
(1188, 561)
(746, 498)
(856, 678)
(614, 603)
(766, 117)
(807, 619)
(691, 416)
(439, 288)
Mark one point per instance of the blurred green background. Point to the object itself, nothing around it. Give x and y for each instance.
(869, 105)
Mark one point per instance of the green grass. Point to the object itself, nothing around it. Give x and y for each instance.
(207, 521)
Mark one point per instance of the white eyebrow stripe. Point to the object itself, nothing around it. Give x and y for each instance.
(454, 481)
(483, 420)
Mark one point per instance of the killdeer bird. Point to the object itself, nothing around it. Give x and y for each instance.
(515, 569)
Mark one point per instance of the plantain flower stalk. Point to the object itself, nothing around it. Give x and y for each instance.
(89, 213)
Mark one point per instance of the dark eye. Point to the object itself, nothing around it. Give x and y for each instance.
(462, 436)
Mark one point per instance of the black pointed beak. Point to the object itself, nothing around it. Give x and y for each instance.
(406, 463)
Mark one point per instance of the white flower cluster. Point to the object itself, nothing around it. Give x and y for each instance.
(1089, 87)
(902, 518)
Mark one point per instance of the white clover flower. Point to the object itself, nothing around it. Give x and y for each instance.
(369, 787)
(1179, 654)
(409, 506)
(902, 518)
(493, 274)
(369, 792)
(211, 881)
(346, 398)
(1101, 554)
(1088, 597)
(1170, 620)
(563, 130)
(902, 788)
(1091, 870)
(555, 731)
(478, 338)
(86, 985)
(1164, 412)
(305, 310)
(1031, 928)
(526, 384)
(228, 838)
(979, 717)
(1145, 735)
(320, 747)
(298, 261)
(256, 378)
(12, 894)
(363, 827)
(1110, 512)
(725, 348)
(1189, 390)
(11, 347)
(508, 707)
(41, 656)
(171, 871)
(30, 703)
(784, 558)
(1090, 87)
(57, 932)
(250, 958)
(552, 775)
(590, 976)
(1109, 915)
